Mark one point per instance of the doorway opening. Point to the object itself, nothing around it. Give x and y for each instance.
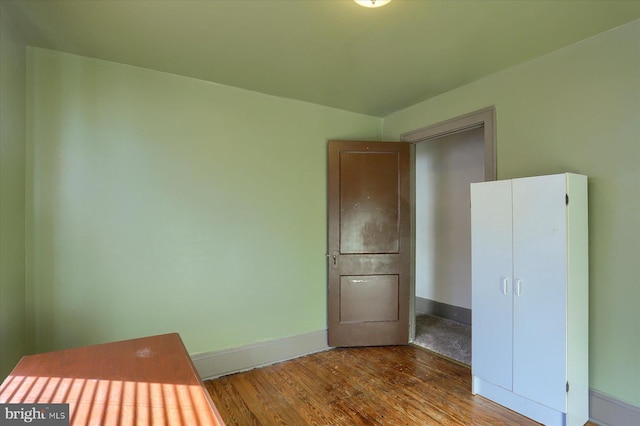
(447, 157)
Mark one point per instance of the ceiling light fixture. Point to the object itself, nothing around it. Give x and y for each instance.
(372, 3)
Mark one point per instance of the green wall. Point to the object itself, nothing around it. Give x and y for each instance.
(13, 342)
(159, 203)
(575, 110)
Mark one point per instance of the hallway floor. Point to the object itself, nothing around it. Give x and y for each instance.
(446, 337)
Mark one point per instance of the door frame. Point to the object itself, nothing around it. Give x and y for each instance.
(486, 118)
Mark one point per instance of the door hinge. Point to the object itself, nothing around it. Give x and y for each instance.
(566, 199)
(567, 387)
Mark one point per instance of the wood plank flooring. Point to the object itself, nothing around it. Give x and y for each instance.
(394, 385)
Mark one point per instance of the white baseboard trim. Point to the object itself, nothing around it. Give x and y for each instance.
(608, 411)
(211, 365)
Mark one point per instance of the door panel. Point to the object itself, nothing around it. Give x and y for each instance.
(369, 243)
(369, 210)
(368, 298)
(492, 288)
(540, 253)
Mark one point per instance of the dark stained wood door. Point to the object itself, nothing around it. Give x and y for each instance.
(368, 243)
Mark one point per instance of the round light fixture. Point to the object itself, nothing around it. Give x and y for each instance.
(372, 3)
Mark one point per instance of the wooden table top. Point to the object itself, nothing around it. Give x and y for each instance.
(150, 380)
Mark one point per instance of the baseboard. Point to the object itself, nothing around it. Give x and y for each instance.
(529, 408)
(211, 365)
(608, 411)
(603, 409)
(454, 313)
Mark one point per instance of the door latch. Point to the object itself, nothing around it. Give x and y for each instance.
(333, 259)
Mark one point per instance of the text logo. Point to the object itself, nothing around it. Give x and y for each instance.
(34, 414)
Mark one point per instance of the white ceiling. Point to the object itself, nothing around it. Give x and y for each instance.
(329, 52)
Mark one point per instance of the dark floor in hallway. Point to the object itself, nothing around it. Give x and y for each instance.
(444, 336)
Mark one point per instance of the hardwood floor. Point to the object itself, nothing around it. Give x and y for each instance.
(394, 385)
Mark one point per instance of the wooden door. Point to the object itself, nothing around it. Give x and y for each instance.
(368, 243)
(492, 288)
(540, 297)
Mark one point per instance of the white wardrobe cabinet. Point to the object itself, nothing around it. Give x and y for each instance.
(530, 296)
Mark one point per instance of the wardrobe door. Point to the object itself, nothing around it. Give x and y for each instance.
(540, 282)
(491, 282)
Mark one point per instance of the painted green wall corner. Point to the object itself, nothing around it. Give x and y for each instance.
(160, 203)
(13, 340)
(575, 110)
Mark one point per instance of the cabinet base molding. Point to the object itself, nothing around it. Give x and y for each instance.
(524, 406)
